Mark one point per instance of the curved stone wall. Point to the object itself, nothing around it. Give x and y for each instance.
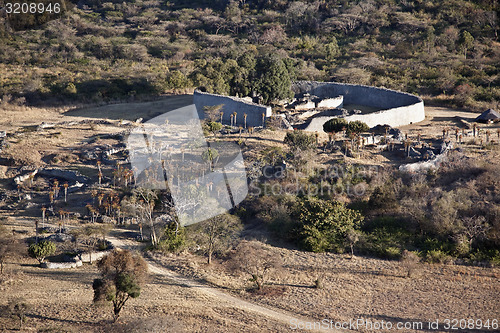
(232, 104)
(398, 108)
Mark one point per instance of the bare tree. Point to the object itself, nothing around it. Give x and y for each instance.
(89, 235)
(213, 112)
(217, 234)
(142, 204)
(352, 237)
(474, 227)
(259, 262)
(18, 308)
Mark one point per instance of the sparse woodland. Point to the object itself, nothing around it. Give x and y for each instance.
(346, 205)
(445, 51)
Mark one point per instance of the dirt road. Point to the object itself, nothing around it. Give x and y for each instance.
(220, 297)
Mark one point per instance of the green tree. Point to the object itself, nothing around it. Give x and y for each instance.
(466, 42)
(213, 127)
(273, 81)
(332, 50)
(210, 156)
(356, 127)
(173, 239)
(177, 80)
(122, 275)
(335, 125)
(41, 250)
(325, 224)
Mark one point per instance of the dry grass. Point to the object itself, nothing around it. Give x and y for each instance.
(62, 300)
(361, 287)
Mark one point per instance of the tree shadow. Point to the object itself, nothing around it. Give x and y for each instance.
(68, 275)
(292, 285)
(68, 321)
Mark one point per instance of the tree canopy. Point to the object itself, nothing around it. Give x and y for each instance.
(325, 223)
(122, 275)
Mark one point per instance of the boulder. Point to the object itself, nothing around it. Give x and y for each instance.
(62, 265)
(414, 153)
(69, 175)
(60, 238)
(85, 257)
(22, 178)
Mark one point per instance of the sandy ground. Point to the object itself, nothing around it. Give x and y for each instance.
(359, 288)
(187, 295)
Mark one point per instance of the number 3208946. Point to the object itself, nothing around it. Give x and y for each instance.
(32, 8)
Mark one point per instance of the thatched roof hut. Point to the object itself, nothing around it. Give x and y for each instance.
(488, 116)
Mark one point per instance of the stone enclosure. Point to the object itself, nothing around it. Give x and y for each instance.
(395, 108)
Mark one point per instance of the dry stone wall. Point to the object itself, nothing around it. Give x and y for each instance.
(232, 104)
(398, 108)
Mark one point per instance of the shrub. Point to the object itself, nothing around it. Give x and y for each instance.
(18, 308)
(486, 256)
(41, 250)
(437, 256)
(257, 261)
(410, 260)
(325, 224)
(356, 127)
(392, 252)
(174, 238)
(335, 125)
(213, 127)
(382, 198)
(300, 140)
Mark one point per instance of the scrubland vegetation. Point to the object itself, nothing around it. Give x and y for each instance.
(447, 215)
(322, 209)
(446, 51)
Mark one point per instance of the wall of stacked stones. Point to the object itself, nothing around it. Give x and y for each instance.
(398, 108)
(232, 104)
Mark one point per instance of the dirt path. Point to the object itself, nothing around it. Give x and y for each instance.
(219, 296)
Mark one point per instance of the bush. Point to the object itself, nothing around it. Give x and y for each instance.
(300, 140)
(392, 252)
(356, 127)
(385, 238)
(437, 257)
(17, 308)
(486, 256)
(410, 260)
(335, 125)
(41, 250)
(382, 198)
(325, 224)
(173, 240)
(257, 261)
(213, 127)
